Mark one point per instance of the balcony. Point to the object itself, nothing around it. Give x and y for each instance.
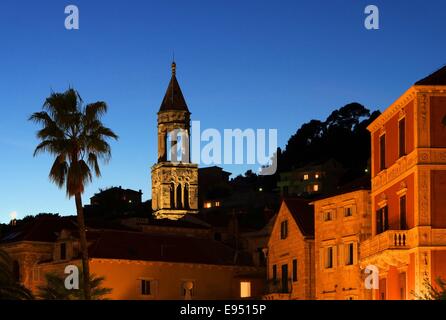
(394, 240)
(278, 290)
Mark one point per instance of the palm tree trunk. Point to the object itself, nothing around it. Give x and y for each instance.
(84, 247)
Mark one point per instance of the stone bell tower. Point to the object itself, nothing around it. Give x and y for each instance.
(174, 178)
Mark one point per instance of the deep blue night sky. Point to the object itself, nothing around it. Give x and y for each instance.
(241, 64)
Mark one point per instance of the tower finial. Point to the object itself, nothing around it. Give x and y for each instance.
(174, 68)
(174, 65)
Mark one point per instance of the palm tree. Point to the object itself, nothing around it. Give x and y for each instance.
(75, 136)
(10, 289)
(55, 289)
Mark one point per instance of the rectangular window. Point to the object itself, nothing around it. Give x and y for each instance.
(274, 272)
(382, 222)
(382, 152)
(285, 191)
(284, 229)
(146, 288)
(245, 289)
(403, 218)
(348, 212)
(328, 216)
(294, 270)
(329, 258)
(316, 188)
(285, 278)
(36, 274)
(349, 254)
(306, 176)
(63, 251)
(402, 137)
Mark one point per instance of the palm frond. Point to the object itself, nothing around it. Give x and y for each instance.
(93, 162)
(58, 172)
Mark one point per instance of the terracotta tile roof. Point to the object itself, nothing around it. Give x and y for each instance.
(173, 99)
(436, 78)
(42, 229)
(111, 244)
(303, 213)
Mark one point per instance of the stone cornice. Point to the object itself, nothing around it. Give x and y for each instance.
(420, 156)
(402, 101)
(393, 109)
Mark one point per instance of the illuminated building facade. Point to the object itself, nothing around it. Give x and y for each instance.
(408, 242)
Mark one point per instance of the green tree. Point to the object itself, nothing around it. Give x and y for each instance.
(433, 291)
(55, 289)
(75, 136)
(10, 288)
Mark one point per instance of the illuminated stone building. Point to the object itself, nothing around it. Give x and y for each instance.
(136, 265)
(290, 253)
(408, 242)
(342, 222)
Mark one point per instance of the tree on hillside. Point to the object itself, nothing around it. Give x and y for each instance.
(343, 136)
(75, 136)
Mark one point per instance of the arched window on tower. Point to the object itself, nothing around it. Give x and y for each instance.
(169, 146)
(172, 195)
(179, 197)
(186, 196)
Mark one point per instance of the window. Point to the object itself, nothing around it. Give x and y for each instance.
(188, 287)
(245, 289)
(186, 197)
(382, 152)
(16, 270)
(36, 274)
(274, 272)
(382, 223)
(179, 197)
(316, 188)
(261, 255)
(63, 251)
(328, 216)
(146, 288)
(172, 195)
(294, 270)
(329, 258)
(284, 229)
(306, 177)
(403, 218)
(348, 212)
(349, 254)
(402, 137)
(285, 190)
(285, 278)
